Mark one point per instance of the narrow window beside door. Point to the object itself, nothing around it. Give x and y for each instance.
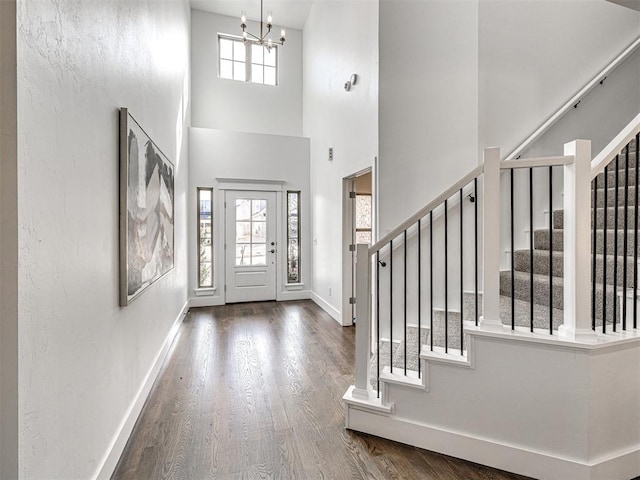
(293, 237)
(205, 238)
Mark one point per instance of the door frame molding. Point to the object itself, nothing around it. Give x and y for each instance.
(244, 184)
(347, 228)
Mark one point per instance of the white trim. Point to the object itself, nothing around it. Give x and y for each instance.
(536, 162)
(294, 286)
(294, 295)
(204, 292)
(615, 146)
(250, 184)
(324, 305)
(119, 441)
(600, 342)
(212, 301)
(506, 457)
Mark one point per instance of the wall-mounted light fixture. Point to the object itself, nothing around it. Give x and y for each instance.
(352, 81)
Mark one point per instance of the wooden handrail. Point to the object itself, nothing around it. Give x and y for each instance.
(609, 152)
(425, 210)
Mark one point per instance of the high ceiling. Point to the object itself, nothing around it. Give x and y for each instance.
(288, 13)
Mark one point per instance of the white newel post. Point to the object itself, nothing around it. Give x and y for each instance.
(491, 242)
(577, 242)
(363, 322)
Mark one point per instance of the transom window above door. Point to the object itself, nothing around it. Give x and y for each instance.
(251, 231)
(247, 63)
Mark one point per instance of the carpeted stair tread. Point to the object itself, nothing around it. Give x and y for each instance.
(541, 287)
(541, 240)
(611, 197)
(611, 177)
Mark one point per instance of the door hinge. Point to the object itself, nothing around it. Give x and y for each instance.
(225, 204)
(225, 288)
(352, 194)
(352, 300)
(352, 248)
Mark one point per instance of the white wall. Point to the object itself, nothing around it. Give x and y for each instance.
(534, 56)
(340, 38)
(220, 154)
(8, 244)
(242, 106)
(83, 359)
(428, 102)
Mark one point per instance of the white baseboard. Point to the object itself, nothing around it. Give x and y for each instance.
(487, 452)
(323, 304)
(128, 422)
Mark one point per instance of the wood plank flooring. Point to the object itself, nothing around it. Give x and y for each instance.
(253, 391)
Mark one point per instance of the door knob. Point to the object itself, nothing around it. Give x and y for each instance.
(272, 250)
(273, 243)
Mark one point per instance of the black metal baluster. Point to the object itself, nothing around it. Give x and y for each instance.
(594, 264)
(615, 245)
(531, 248)
(604, 245)
(419, 292)
(461, 277)
(405, 300)
(378, 319)
(475, 231)
(446, 282)
(391, 306)
(624, 239)
(635, 242)
(551, 250)
(513, 267)
(431, 278)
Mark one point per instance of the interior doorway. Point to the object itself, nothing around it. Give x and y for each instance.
(357, 228)
(250, 243)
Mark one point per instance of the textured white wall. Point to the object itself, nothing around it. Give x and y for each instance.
(8, 244)
(218, 154)
(340, 38)
(83, 359)
(241, 106)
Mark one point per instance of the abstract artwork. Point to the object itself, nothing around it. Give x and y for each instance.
(146, 210)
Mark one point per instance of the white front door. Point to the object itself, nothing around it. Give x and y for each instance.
(250, 246)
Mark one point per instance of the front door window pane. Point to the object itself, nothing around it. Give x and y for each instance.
(251, 232)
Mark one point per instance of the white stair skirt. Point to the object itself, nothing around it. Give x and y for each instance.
(526, 403)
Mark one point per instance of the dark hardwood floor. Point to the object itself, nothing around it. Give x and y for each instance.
(253, 391)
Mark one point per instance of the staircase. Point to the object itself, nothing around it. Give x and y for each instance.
(613, 259)
(546, 404)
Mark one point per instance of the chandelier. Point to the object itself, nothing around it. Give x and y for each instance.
(264, 39)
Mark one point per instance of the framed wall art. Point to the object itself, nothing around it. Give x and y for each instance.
(146, 210)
